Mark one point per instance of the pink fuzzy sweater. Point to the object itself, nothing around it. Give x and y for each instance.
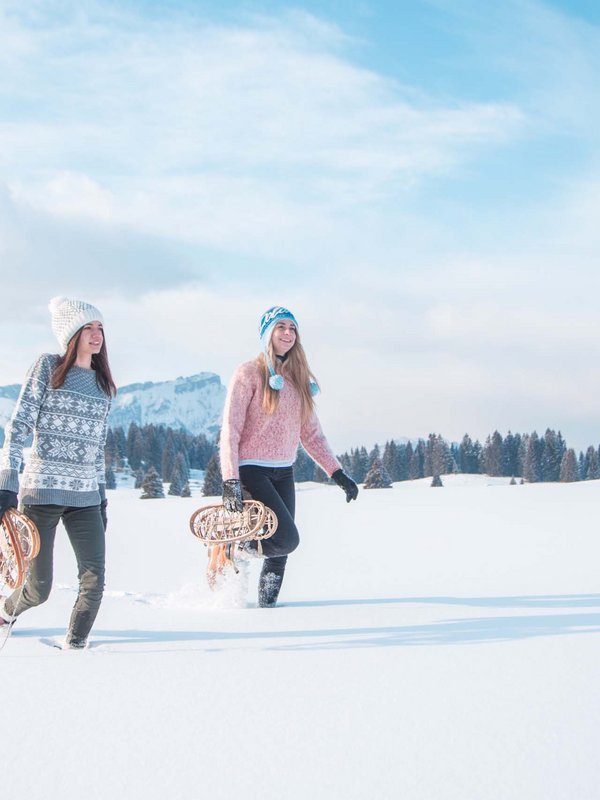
(251, 436)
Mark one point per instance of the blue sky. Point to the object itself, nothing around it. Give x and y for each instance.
(418, 181)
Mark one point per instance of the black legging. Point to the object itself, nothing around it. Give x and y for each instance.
(274, 486)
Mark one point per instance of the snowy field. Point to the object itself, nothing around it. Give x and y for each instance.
(430, 644)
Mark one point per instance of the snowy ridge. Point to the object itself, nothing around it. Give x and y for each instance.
(194, 403)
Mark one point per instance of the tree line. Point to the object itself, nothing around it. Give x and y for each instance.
(529, 456)
(156, 454)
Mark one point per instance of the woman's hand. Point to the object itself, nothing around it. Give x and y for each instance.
(7, 500)
(232, 495)
(346, 483)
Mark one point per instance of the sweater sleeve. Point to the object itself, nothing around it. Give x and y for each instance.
(239, 395)
(23, 421)
(100, 462)
(314, 442)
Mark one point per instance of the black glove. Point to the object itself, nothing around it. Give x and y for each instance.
(7, 500)
(103, 505)
(346, 483)
(232, 495)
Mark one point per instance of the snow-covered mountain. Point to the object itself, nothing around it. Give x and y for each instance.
(194, 403)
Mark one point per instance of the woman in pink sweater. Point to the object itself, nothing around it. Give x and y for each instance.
(269, 410)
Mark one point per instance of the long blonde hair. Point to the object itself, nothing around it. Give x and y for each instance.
(295, 369)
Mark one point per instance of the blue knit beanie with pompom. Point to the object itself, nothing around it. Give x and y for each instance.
(268, 321)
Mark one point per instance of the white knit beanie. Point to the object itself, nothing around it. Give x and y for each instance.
(68, 316)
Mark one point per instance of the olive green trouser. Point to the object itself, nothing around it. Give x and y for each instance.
(85, 529)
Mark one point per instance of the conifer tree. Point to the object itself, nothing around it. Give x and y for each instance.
(186, 491)
(532, 469)
(468, 461)
(417, 461)
(110, 451)
(304, 466)
(152, 487)
(592, 468)
(168, 456)
(390, 459)
(120, 447)
(554, 450)
(360, 464)
(437, 481)
(180, 475)
(139, 478)
(403, 455)
(568, 467)
(111, 481)
(510, 454)
(213, 480)
(374, 455)
(377, 477)
(492, 454)
(135, 447)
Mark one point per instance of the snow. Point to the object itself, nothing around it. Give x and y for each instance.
(430, 644)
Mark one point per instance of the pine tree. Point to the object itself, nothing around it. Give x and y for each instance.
(213, 480)
(417, 461)
(592, 468)
(139, 478)
(568, 467)
(111, 481)
(180, 475)
(186, 491)
(374, 455)
(469, 456)
(134, 446)
(532, 469)
(554, 450)
(403, 455)
(168, 457)
(390, 459)
(377, 477)
(510, 454)
(152, 487)
(120, 447)
(437, 481)
(581, 466)
(304, 466)
(360, 464)
(110, 450)
(492, 454)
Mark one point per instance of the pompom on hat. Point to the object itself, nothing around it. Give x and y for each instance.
(68, 316)
(268, 321)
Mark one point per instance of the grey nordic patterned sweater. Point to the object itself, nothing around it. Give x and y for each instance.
(66, 463)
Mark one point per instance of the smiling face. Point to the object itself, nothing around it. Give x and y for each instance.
(90, 341)
(283, 337)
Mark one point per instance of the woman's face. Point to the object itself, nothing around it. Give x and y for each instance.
(91, 339)
(283, 337)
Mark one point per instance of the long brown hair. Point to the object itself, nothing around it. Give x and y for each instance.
(100, 364)
(295, 369)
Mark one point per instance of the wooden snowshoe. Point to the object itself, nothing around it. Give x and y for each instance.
(222, 530)
(19, 545)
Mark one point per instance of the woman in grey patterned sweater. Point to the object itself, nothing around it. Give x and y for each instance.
(64, 402)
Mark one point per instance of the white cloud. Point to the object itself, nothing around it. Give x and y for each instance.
(189, 120)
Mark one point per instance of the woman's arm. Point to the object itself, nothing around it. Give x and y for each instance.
(23, 421)
(314, 442)
(239, 396)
